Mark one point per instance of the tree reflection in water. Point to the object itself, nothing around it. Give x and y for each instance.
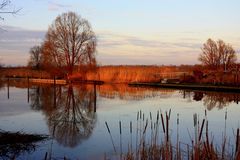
(217, 100)
(69, 111)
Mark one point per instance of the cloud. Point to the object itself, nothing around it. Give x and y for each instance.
(144, 50)
(15, 44)
(53, 6)
(113, 48)
(111, 39)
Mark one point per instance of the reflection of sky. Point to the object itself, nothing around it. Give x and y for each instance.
(113, 110)
(129, 32)
(16, 104)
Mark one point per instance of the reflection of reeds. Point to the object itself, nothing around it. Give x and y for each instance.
(161, 147)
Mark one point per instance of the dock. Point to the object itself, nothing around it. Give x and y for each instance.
(48, 81)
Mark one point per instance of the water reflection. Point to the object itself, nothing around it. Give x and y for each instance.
(49, 99)
(69, 111)
(219, 100)
(212, 100)
(123, 91)
(198, 96)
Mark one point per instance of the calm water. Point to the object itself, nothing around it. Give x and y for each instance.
(75, 116)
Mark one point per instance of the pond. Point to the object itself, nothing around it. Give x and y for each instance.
(75, 116)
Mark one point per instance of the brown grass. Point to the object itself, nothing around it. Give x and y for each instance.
(126, 74)
(202, 147)
(23, 72)
(137, 73)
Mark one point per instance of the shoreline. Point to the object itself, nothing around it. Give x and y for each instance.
(56, 81)
(199, 87)
(196, 87)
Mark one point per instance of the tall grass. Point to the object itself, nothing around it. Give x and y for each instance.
(126, 74)
(24, 72)
(160, 145)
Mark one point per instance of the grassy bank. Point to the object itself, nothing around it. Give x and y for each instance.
(109, 74)
(133, 73)
(23, 72)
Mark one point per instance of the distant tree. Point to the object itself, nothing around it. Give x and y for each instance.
(1, 65)
(5, 10)
(217, 54)
(35, 60)
(69, 42)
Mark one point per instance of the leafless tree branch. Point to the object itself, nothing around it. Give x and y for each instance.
(5, 10)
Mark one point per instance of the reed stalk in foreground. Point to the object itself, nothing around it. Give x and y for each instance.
(160, 146)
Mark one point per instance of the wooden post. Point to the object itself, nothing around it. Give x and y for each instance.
(54, 81)
(8, 88)
(95, 98)
(28, 90)
(54, 96)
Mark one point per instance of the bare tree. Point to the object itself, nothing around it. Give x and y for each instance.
(5, 10)
(217, 54)
(69, 42)
(35, 60)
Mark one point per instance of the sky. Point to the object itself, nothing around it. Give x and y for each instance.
(133, 32)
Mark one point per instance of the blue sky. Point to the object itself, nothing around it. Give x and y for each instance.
(128, 31)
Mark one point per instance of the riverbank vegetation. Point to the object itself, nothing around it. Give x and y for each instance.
(194, 74)
(154, 139)
(14, 143)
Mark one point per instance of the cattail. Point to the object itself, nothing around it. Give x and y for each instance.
(167, 127)
(177, 119)
(111, 137)
(46, 154)
(226, 115)
(120, 130)
(145, 128)
(237, 141)
(169, 114)
(195, 119)
(107, 127)
(163, 123)
(131, 127)
(199, 138)
(120, 127)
